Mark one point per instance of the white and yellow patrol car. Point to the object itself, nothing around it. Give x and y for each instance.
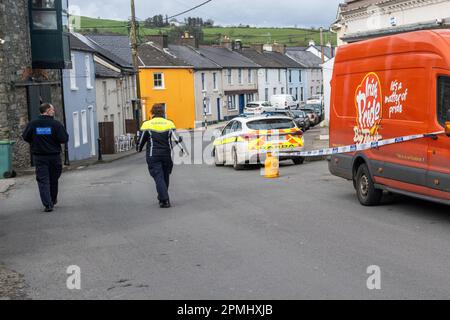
(247, 140)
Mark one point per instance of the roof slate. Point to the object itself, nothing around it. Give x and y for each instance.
(77, 44)
(305, 58)
(151, 56)
(118, 45)
(226, 58)
(104, 72)
(192, 57)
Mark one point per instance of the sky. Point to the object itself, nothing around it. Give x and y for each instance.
(261, 13)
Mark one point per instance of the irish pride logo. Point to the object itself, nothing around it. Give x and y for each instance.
(368, 101)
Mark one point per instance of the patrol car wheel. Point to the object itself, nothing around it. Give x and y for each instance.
(365, 189)
(236, 164)
(216, 160)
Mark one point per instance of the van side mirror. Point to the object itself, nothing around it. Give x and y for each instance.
(447, 124)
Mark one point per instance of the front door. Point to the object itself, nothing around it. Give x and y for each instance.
(37, 95)
(439, 148)
(241, 103)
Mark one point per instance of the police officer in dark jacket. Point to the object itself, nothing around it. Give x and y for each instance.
(45, 135)
(158, 134)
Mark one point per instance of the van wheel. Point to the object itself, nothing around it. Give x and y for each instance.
(365, 189)
(298, 161)
(236, 164)
(216, 160)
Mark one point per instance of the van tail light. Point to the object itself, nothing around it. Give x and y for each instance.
(447, 128)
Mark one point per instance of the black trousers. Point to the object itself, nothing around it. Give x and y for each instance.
(160, 169)
(48, 172)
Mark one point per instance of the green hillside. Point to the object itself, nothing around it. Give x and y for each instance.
(288, 36)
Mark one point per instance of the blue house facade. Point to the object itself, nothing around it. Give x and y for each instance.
(80, 102)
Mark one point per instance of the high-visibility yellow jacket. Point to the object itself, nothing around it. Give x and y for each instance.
(157, 134)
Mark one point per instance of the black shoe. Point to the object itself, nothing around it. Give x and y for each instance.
(48, 209)
(55, 202)
(165, 204)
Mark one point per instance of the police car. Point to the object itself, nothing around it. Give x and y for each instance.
(247, 140)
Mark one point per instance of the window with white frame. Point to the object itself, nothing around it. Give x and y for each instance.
(207, 107)
(203, 82)
(230, 102)
(240, 76)
(296, 94)
(158, 80)
(76, 129)
(300, 75)
(84, 127)
(282, 90)
(291, 91)
(215, 81)
(301, 94)
(274, 90)
(279, 75)
(230, 76)
(266, 94)
(267, 75)
(290, 76)
(87, 63)
(73, 74)
(250, 76)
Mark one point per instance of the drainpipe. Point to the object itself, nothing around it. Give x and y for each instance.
(66, 147)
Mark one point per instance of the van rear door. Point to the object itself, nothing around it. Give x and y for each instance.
(439, 148)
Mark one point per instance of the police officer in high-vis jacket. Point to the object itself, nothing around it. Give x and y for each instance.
(45, 135)
(158, 134)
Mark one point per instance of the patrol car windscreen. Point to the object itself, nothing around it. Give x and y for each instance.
(271, 124)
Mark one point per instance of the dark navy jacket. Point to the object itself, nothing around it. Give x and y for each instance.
(45, 136)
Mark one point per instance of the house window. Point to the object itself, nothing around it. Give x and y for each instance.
(301, 94)
(290, 76)
(215, 80)
(230, 76)
(105, 94)
(282, 90)
(207, 107)
(267, 75)
(240, 76)
(296, 94)
(203, 82)
(274, 90)
(87, 62)
(291, 91)
(279, 75)
(76, 129)
(266, 94)
(158, 80)
(250, 76)
(73, 74)
(300, 75)
(84, 129)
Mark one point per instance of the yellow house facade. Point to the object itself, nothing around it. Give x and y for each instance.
(168, 81)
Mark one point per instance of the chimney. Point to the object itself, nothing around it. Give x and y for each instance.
(311, 43)
(267, 47)
(161, 41)
(188, 40)
(226, 43)
(237, 45)
(258, 47)
(280, 48)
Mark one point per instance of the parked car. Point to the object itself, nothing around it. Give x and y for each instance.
(246, 140)
(284, 101)
(317, 108)
(256, 107)
(287, 113)
(300, 114)
(316, 99)
(313, 117)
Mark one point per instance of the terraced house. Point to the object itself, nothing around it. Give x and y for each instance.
(239, 78)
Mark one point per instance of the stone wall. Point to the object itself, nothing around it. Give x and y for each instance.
(15, 60)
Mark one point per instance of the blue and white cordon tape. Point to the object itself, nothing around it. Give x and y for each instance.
(355, 147)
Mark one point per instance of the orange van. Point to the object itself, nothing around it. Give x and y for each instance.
(392, 87)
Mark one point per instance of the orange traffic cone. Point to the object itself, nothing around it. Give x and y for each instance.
(271, 167)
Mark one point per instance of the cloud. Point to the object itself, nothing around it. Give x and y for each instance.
(280, 13)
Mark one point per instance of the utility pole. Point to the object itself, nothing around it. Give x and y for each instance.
(323, 55)
(134, 51)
